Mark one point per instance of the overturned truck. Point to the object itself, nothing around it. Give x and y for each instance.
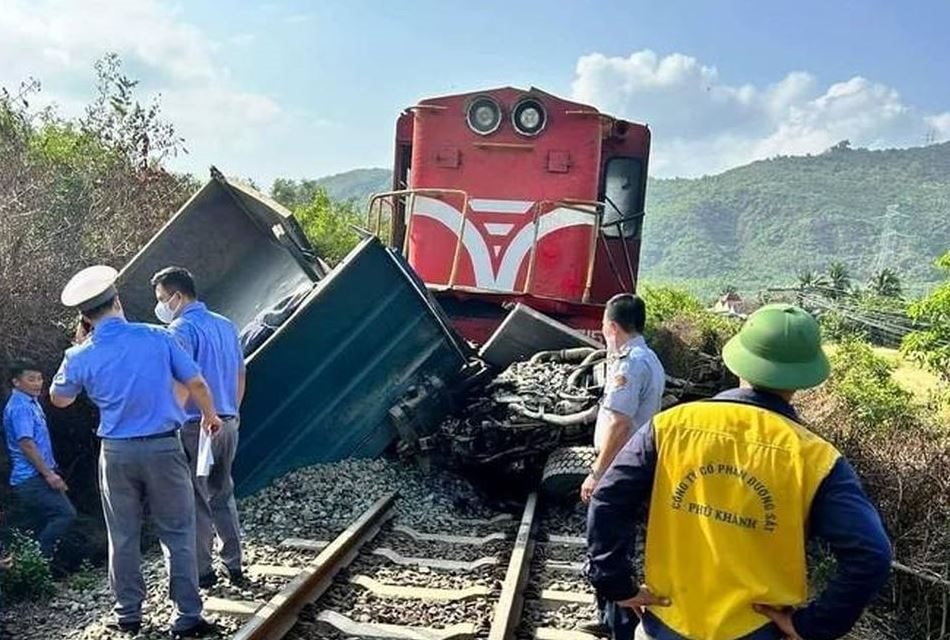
(328, 352)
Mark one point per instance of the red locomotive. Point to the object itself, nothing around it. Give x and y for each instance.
(517, 196)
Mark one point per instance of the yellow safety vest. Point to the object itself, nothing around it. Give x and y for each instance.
(732, 492)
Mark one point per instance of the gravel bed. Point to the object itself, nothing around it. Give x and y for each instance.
(383, 571)
(320, 501)
(362, 606)
(309, 630)
(560, 552)
(564, 520)
(563, 581)
(316, 502)
(566, 616)
(406, 546)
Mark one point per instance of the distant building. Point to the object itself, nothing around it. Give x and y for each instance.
(730, 304)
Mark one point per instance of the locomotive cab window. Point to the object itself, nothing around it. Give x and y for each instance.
(623, 197)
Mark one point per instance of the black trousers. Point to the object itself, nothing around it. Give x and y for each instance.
(621, 621)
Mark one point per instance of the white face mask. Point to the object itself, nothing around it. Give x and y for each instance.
(164, 311)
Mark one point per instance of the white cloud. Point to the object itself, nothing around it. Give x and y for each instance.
(58, 41)
(68, 34)
(702, 124)
(940, 126)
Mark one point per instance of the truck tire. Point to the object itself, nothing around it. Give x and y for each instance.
(565, 470)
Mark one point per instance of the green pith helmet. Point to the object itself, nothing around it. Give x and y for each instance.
(778, 347)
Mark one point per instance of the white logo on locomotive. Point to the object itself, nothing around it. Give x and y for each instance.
(498, 258)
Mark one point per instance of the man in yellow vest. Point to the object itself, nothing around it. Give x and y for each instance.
(735, 486)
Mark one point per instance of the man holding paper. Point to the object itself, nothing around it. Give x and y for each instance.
(212, 340)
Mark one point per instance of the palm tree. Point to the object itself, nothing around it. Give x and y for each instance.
(809, 280)
(885, 283)
(840, 280)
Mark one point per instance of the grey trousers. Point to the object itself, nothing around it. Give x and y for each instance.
(133, 473)
(215, 508)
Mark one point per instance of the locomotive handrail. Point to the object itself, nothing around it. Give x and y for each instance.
(412, 193)
(592, 207)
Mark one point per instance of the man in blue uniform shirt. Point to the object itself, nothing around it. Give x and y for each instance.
(34, 475)
(128, 371)
(633, 393)
(213, 342)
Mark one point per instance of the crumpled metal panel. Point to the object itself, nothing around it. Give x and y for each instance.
(320, 388)
(245, 251)
(524, 332)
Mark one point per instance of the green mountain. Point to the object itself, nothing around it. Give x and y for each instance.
(762, 224)
(357, 184)
(765, 222)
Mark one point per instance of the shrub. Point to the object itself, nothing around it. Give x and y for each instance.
(906, 474)
(85, 578)
(76, 191)
(328, 225)
(30, 577)
(665, 303)
(688, 339)
(931, 346)
(863, 381)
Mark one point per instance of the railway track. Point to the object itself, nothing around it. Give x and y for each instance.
(499, 578)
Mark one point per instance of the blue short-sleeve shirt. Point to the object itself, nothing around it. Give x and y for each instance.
(128, 370)
(213, 342)
(23, 418)
(634, 387)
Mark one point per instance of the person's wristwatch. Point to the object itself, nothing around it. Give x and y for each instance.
(596, 476)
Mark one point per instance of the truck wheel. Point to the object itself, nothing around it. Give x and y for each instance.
(565, 470)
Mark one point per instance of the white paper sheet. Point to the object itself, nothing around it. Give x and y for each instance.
(205, 456)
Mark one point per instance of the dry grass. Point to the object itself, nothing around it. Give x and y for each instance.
(907, 475)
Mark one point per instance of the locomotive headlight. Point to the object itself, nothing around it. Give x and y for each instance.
(483, 116)
(529, 117)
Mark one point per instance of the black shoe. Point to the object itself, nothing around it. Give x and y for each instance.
(237, 577)
(130, 628)
(208, 580)
(200, 630)
(595, 628)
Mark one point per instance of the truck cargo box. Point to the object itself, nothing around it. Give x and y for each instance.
(320, 387)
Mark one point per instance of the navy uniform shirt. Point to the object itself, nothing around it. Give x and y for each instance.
(634, 387)
(213, 342)
(23, 418)
(128, 369)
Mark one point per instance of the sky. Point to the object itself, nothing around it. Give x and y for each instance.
(289, 88)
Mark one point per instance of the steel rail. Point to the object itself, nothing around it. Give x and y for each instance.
(278, 616)
(507, 614)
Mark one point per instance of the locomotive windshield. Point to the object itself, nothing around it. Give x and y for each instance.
(623, 196)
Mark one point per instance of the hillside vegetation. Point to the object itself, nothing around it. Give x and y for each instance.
(356, 185)
(765, 223)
